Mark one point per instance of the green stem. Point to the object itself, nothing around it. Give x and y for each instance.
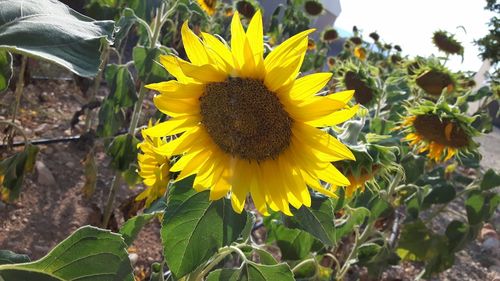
(134, 120)
(222, 254)
(19, 88)
(302, 263)
(111, 199)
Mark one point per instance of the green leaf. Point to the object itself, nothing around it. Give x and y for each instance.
(111, 119)
(133, 226)
(52, 31)
(490, 180)
(254, 272)
(439, 194)
(413, 166)
(356, 217)
(121, 85)
(8, 257)
(474, 206)
(123, 150)
(264, 257)
(145, 61)
(89, 254)
(458, 234)
(194, 228)
(294, 244)
(317, 219)
(5, 69)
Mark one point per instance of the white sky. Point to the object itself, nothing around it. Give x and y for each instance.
(411, 23)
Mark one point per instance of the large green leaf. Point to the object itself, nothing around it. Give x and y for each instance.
(133, 226)
(5, 69)
(50, 30)
(294, 244)
(89, 254)
(317, 219)
(251, 271)
(194, 228)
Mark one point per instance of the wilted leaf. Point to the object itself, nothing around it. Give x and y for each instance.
(145, 61)
(8, 257)
(121, 85)
(123, 151)
(5, 69)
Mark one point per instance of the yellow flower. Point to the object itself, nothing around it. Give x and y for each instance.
(248, 125)
(441, 138)
(153, 168)
(208, 6)
(360, 53)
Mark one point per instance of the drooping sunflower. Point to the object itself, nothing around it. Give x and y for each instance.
(153, 168)
(440, 130)
(434, 78)
(447, 43)
(313, 7)
(354, 75)
(248, 125)
(360, 53)
(208, 6)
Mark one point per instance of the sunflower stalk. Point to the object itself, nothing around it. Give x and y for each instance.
(136, 113)
(89, 113)
(19, 91)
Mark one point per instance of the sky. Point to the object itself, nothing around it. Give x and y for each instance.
(411, 24)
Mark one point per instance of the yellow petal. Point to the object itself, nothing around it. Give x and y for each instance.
(216, 46)
(237, 40)
(255, 37)
(286, 50)
(173, 126)
(171, 64)
(174, 89)
(203, 73)
(335, 118)
(177, 107)
(307, 86)
(194, 48)
(344, 96)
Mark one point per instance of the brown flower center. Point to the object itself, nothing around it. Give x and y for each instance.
(362, 92)
(433, 82)
(245, 119)
(444, 131)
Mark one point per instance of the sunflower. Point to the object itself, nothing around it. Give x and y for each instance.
(248, 125)
(373, 162)
(329, 35)
(440, 130)
(360, 53)
(447, 43)
(360, 78)
(208, 6)
(153, 168)
(313, 7)
(245, 8)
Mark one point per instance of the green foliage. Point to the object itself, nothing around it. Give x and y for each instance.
(490, 180)
(123, 151)
(5, 69)
(133, 226)
(145, 61)
(9, 257)
(253, 271)
(88, 254)
(194, 228)
(52, 31)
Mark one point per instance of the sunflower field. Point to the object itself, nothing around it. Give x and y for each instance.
(237, 142)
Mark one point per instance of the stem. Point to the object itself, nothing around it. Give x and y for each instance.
(223, 253)
(111, 199)
(89, 113)
(17, 127)
(135, 118)
(302, 263)
(19, 87)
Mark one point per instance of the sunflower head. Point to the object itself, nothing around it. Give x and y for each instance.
(228, 11)
(245, 8)
(313, 8)
(356, 40)
(153, 168)
(330, 62)
(413, 66)
(374, 36)
(373, 162)
(395, 59)
(434, 78)
(387, 47)
(439, 130)
(447, 43)
(246, 125)
(311, 45)
(208, 6)
(360, 79)
(398, 48)
(330, 35)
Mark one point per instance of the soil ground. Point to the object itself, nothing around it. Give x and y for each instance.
(52, 205)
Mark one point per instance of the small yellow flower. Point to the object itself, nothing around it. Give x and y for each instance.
(153, 168)
(248, 124)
